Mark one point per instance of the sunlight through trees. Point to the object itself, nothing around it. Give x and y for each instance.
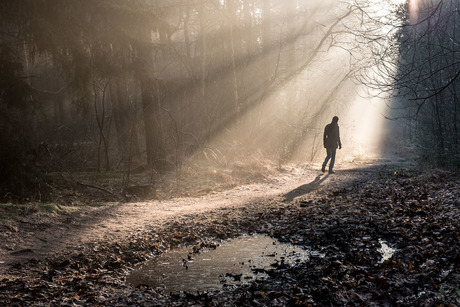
(163, 85)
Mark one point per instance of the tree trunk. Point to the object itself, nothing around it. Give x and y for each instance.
(149, 118)
(150, 100)
(100, 113)
(125, 121)
(231, 11)
(266, 25)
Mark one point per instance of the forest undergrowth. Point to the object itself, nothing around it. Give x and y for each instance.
(344, 216)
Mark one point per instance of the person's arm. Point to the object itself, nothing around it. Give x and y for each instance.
(325, 136)
(338, 135)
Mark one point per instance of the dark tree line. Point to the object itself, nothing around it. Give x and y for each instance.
(431, 82)
(59, 59)
(420, 70)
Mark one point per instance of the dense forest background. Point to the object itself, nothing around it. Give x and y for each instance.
(154, 85)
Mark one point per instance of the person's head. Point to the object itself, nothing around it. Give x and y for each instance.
(335, 119)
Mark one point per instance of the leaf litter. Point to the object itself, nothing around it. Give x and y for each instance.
(345, 223)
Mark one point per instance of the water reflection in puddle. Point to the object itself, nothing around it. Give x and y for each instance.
(386, 251)
(234, 262)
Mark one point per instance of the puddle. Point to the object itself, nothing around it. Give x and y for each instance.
(234, 262)
(386, 251)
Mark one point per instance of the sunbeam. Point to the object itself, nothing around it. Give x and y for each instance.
(284, 117)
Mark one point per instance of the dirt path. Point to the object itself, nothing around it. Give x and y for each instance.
(40, 236)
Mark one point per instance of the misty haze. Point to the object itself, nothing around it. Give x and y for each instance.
(170, 140)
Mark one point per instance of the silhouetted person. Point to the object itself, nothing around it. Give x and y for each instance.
(331, 140)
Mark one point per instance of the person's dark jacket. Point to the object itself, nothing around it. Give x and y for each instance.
(331, 136)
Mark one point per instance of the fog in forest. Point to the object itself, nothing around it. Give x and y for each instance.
(175, 152)
(178, 86)
(313, 63)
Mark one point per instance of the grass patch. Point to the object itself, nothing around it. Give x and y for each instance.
(11, 213)
(49, 208)
(5, 218)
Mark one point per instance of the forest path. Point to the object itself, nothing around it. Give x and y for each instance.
(39, 236)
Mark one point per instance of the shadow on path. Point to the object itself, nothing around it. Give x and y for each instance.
(305, 188)
(66, 230)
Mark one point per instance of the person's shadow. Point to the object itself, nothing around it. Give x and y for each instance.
(305, 188)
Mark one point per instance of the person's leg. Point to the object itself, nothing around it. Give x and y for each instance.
(328, 156)
(332, 153)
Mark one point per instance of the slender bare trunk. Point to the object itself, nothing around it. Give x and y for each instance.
(231, 10)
